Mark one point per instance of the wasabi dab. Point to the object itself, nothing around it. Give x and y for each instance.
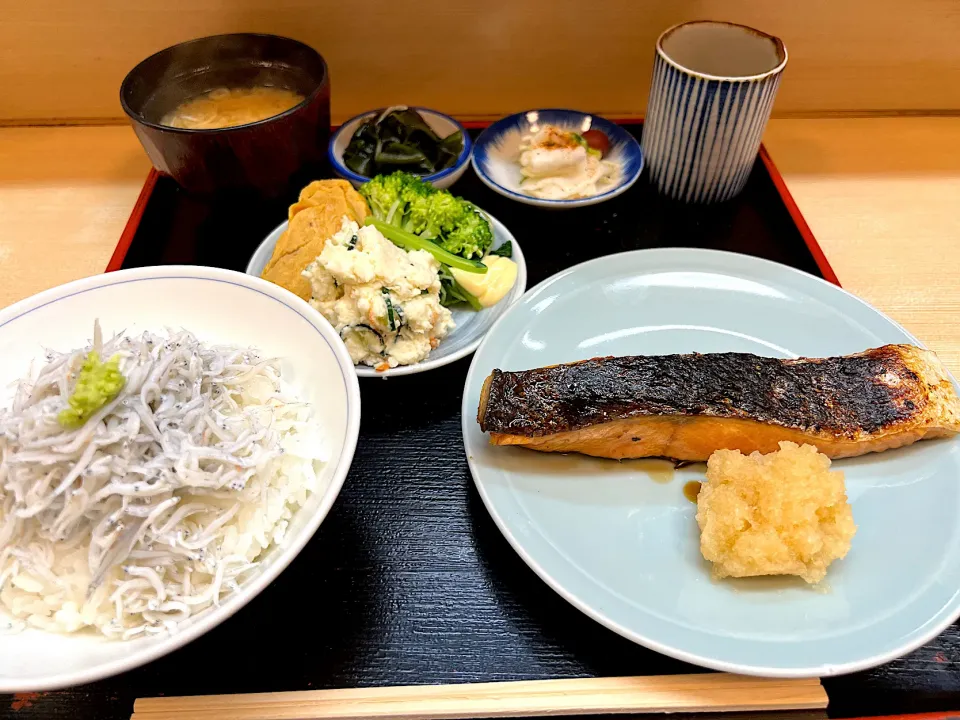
(97, 384)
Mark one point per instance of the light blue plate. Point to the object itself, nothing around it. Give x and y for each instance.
(496, 151)
(624, 548)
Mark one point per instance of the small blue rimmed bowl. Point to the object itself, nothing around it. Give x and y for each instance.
(442, 124)
(497, 150)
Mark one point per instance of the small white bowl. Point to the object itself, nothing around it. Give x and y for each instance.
(442, 124)
(471, 325)
(496, 153)
(218, 306)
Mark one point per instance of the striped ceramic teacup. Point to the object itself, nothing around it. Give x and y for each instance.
(712, 91)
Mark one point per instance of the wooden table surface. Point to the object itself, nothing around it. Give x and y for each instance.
(882, 196)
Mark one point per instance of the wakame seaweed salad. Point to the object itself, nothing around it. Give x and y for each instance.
(398, 138)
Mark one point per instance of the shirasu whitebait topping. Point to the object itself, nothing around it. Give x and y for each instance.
(159, 504)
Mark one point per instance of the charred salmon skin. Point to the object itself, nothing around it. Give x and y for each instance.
(685, 407)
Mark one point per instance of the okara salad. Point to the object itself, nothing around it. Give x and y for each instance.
(384, 265)
(557, 164)
(384, 302)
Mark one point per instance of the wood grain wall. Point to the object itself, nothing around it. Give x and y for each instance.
(64, 59)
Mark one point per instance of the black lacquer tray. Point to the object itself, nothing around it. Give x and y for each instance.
(408, 580)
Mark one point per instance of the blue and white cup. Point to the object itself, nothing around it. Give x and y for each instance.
(713, 88)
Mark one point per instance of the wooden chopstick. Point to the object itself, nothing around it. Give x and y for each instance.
(708, 692)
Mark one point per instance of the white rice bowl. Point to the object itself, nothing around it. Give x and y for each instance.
(218, 307)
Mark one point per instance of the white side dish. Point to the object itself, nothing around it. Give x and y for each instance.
(516, 158)
(557, 164)
(383, 301)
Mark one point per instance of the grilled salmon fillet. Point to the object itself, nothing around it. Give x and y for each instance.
(685, 407)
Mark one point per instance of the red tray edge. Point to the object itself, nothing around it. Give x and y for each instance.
(921, 716)
(133, 222)
(818, 255)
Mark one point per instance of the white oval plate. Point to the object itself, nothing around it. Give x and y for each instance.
(471, 325)
(625, 550)
(218, 306)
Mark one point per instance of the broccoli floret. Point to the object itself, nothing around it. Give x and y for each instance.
(381, 193)
(432, 216)
(414, 187)
(454, 223)
(471, 237)
(407, 202)
(389, 195)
